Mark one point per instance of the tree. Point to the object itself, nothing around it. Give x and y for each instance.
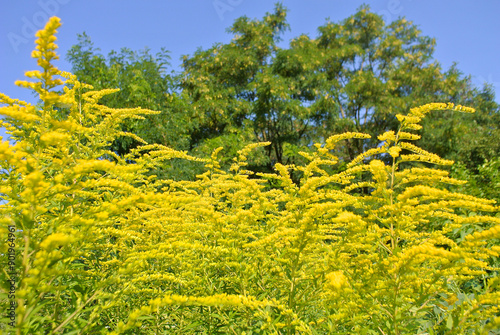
(143, 81)
(469, 139)
(232, 90)
(472, 140)
(354, 76)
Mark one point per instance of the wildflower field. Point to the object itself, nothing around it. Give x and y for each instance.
(96, 243)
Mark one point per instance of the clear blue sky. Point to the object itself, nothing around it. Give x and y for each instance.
(467, 32)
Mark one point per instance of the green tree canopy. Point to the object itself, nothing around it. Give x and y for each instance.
(143, 81)
(355, 75)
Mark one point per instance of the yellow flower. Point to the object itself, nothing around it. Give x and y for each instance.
(387, 136)
(56, 240)
(394, 151)
(55, 138)
(336, 280)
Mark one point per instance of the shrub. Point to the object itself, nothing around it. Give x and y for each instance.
(103, 245)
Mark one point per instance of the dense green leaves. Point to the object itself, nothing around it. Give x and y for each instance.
(143, 81)
(355, 75)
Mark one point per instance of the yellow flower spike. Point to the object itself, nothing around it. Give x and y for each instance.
(336, 280)
(55, 138)
(366, 154)
(394, 151)
(332, 140)
(389, 136)
(44, 54)
(408, 136)
(56, 240)
(421, 111)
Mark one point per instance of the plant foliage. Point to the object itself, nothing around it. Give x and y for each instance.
(104, 246)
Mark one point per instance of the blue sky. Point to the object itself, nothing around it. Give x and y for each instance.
(467, 32)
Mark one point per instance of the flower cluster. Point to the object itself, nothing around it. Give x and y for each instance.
(382, 245)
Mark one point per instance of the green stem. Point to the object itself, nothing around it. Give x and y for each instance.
(394, 242)
(69, 318)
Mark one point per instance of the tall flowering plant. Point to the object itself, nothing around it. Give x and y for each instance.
(96, 243)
